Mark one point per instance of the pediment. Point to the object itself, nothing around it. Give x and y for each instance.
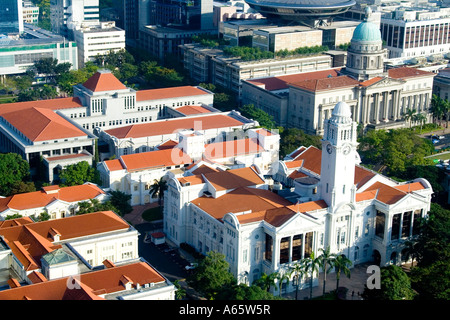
(301, 222)
(386, 83)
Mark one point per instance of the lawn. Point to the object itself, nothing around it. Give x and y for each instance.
(440, 156)
(152, 214)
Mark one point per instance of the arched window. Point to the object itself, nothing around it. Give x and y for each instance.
(393, 258)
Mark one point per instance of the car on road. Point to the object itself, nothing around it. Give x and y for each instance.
(191, 266)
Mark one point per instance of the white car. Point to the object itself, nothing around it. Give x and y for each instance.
(191, 266)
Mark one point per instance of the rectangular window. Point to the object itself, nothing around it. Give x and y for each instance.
(380, 221)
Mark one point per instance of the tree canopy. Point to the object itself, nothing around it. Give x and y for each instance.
(264, 119)
(79, 173)
(13, 171)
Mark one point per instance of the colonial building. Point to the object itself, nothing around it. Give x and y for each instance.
(134, 174)
(378, 98)
(337, 204)
(55, 201)
(91, 256)
(63, 130)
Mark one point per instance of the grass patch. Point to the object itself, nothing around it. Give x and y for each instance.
(152, 214)
(440, 156)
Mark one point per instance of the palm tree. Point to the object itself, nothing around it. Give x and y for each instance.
(266, 281)
(312, 266)
(158, 188)
(437, 107)
(299, 270)
(341, 264)
(326, 262)
(421, 119)
(410, 251)
(281, 276)
(409, 116)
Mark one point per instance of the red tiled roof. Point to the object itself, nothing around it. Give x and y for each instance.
(189, 110)
(326, 83)
(114, 165)
(173, 125)
(240, 200)
(40, 199)
(52, 104)
(410, 187)
(281, 82)
(166, 93)
(311, 159)
(407, 72)
(231, 148)
(371, 81)
(386, 194)
(92, 284)
(103, 81)
(40, 124)
(155, 159)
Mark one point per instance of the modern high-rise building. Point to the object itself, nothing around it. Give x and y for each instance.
(11, 20)
(65, 14)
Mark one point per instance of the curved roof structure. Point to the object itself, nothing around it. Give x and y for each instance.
(367, 31)
(300, 9)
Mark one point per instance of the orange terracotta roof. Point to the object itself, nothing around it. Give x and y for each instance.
(366, 195)
(295, 153)
(410, 187)
(309, 206)
(169, 144)
(167, 93)
(114, 165)
(40, 124)
(311, 159)
(204, 169)
(15, 222)
(92, 284)
(189, 110)
(362, 175)
(275, 216)
(226, 149)
(68, 156)
(240, 200)
(294, 163)
(103, 81)
(407, 72)
(297, 174)
(192, 180)
(235, 178)
(386, 194)
(173, 125)
(371, 81)
(40, 199)
(326, 83)
(281, 82)
(155, 159)
(51, 104)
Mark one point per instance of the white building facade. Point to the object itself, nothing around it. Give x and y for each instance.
(338, 204)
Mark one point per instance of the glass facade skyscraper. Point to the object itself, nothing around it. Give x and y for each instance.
(11, 16)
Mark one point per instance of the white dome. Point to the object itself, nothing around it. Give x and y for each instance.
(342, 113)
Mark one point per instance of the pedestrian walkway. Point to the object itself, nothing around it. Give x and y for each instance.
(354, 284)
(135, 216)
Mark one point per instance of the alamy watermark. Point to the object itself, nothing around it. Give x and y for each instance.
(374, 280)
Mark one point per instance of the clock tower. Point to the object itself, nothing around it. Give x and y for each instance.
(339, 157)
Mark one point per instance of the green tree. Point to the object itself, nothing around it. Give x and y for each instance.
(264, 119)
(312, 266)
(326, 263)
(94, 205)
(180, 293)
(157, 189)
(437, 107)
(120, 201)
(266, 281)
(395, 285)
(13, 170)
(341, 264)
(298, 269)
(292, 138)
(79, 173)
(43, 216)
(432, 282)
(409, 116)
(13, 216)
(211, 275)
(244, 292)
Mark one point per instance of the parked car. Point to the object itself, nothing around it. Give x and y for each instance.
(191, 266)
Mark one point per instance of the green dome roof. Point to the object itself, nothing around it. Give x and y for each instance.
(367, 31)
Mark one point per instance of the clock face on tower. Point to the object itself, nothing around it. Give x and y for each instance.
(346, 150)
(329, 148)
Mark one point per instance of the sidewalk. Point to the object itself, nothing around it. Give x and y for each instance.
(355, 284)
(135, 216)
